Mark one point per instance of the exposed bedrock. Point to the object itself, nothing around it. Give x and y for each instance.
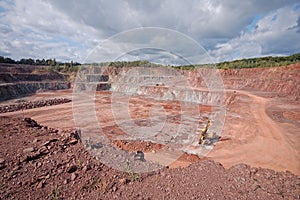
(9, 78)
(284, 81)
(15, 90)
(22, 80)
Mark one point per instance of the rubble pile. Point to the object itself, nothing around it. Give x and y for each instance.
(32, 104)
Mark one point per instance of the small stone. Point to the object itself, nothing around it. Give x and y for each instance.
(114, 189)
(47, 177)
(43, 150)
(73, 141)
(16, 168)
(50, 141)
(46, 143)
(35, 140)
(88, 167)
(73, 176)
(40, 185)
(123, 181)
(97, 145)
(255, 186)
(84, 169)
(253, 171)
(66, 181)
(28, 150)
(38, 164)
(41, 177)
(2, 161)
(72, 169)
(59, 171)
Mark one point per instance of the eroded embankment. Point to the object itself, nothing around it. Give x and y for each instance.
(284, 81)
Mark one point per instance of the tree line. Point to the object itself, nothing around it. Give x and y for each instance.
(135, 63)
(30, 61)
(268, 61)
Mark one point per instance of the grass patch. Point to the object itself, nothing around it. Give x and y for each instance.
(133, 176)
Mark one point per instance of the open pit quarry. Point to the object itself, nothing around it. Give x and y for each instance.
(159, 111)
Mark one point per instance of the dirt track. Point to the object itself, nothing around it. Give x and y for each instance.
(260, 140)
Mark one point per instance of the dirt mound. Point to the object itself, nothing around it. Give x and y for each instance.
(41, 163)
(134, 146)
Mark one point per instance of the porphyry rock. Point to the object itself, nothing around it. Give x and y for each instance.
(28, 150)
(73, 176)
(2, 163)
(72, 169)
(32, 123)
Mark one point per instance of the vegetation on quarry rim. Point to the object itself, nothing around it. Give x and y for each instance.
(71, 66)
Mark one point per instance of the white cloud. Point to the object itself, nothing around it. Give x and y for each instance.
(35, 29)
(274, 34)
(69, 29)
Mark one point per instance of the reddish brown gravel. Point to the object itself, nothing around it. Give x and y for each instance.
(32, 104)
(38, 162)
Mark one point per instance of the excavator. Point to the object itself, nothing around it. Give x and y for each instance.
(204, 133)
(210, 138)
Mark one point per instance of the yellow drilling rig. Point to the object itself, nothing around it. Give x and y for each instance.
(204, 133)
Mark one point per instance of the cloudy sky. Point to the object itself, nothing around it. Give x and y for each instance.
(72, 29)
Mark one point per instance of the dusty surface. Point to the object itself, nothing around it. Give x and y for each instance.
(261, 129)
(255, 135)
(38, 162)
(258, 137)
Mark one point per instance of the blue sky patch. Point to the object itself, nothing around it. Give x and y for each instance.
(252, 25)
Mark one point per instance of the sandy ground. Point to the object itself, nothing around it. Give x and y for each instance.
(256, 134)
(258, 139)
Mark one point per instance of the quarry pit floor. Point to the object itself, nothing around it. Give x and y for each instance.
(260, 129)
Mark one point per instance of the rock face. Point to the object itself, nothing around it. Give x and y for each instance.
(170, 84)
(284, 81)
(17, 81)
(9, 78)
(15, 90)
